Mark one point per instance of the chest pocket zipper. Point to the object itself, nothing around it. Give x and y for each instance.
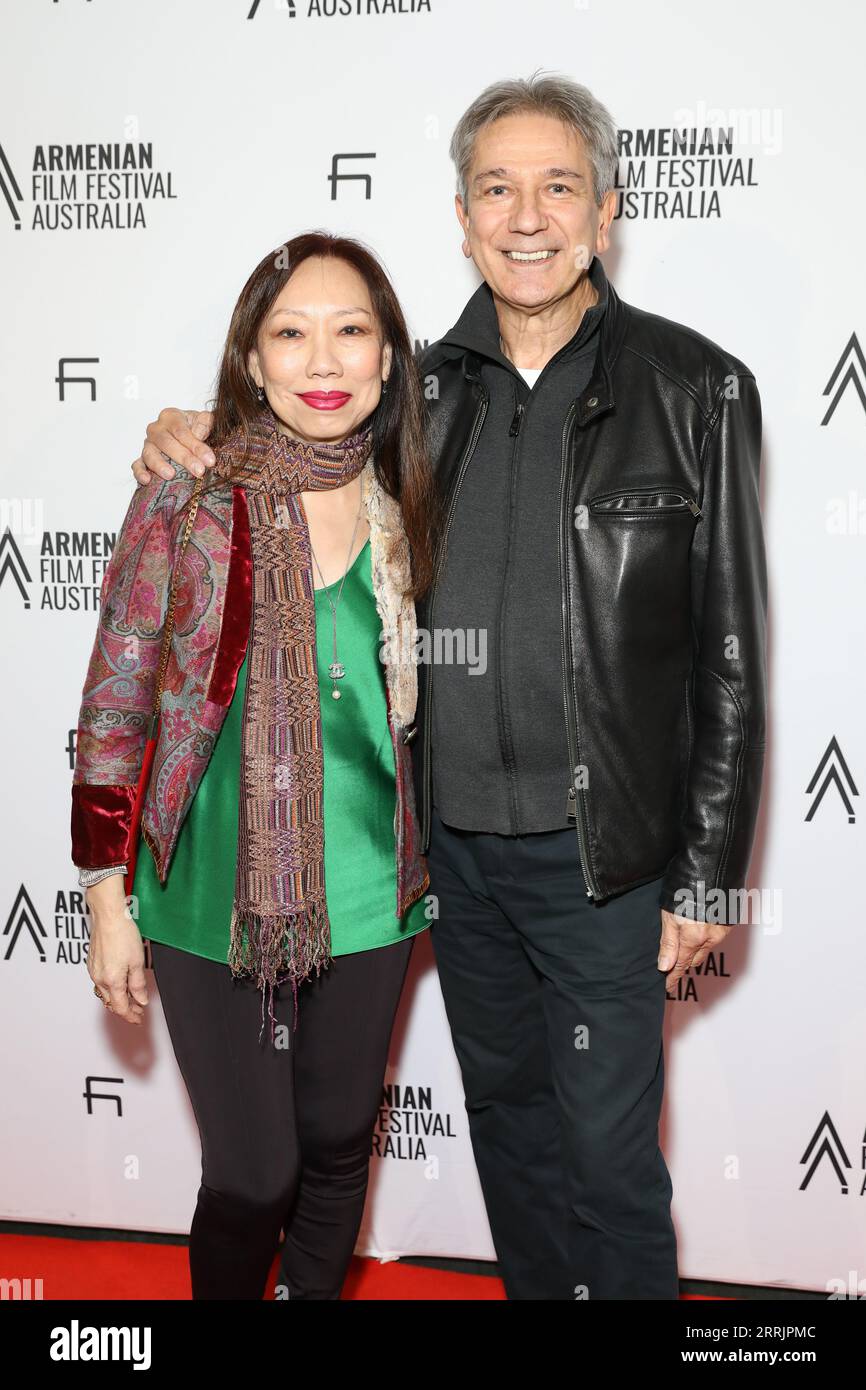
(648, 503)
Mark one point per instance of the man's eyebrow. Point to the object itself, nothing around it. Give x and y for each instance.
(301, 314)
(553, 172)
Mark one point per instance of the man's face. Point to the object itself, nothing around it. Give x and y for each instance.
(531, 191)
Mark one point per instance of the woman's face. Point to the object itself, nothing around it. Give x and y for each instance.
(319, 354)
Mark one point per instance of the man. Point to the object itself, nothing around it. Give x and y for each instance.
(589, 803)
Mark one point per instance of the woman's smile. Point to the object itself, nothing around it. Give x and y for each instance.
(325, 400)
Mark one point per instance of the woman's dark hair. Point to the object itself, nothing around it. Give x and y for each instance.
(400, 455)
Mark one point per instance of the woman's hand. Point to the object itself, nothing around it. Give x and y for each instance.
(115, 958)
(178, 433)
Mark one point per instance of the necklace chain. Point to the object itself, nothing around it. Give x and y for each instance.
(337, 670)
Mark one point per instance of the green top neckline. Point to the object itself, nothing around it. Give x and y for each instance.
(324, 588)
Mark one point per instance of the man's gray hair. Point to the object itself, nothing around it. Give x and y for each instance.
(551, 96)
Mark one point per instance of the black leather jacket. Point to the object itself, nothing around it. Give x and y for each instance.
(663, 603)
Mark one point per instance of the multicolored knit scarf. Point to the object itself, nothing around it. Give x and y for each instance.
(279, 925)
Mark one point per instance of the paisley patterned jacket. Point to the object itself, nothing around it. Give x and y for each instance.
(211, 628)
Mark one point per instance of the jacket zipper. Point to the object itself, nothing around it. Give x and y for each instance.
(574, 806)
(428, 692)
(642, 511)
(506, 748)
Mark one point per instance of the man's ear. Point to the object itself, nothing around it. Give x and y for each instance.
(463, 219)
(608, 208)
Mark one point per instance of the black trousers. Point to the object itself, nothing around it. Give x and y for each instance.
(285, 1132)
(556, 1008)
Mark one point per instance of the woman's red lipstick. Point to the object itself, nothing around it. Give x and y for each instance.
(325, 400)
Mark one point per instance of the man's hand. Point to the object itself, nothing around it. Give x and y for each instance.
(178, 433)
(685, 943)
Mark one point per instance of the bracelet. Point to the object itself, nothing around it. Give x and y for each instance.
(87, 877)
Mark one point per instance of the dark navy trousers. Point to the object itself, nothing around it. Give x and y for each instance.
(556, 1007)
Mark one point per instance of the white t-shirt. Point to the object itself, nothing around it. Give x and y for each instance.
(530, 374)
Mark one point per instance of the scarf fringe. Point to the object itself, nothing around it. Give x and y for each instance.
(277, 948)
(414, 895)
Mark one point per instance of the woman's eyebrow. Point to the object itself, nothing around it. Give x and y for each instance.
(301, 313)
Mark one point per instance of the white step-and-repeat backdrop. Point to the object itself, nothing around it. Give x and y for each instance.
(226, 122)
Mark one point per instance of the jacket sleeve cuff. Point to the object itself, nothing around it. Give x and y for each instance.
(101, 824)
(715, 906)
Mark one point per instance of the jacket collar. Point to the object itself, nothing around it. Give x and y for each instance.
(475, 336)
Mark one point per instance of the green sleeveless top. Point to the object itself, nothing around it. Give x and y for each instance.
(192, 909)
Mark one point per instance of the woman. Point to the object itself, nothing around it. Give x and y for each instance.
(280, 826)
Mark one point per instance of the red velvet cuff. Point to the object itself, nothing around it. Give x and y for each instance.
(101, 822)
(235, 629)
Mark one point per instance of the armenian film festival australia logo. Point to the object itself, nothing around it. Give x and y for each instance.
(85, 187)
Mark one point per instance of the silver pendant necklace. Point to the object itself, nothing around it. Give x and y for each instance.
(337, 670)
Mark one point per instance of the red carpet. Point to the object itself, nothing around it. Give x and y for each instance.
(118, 1269)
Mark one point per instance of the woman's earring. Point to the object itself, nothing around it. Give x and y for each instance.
(260, 393)
(385, 385)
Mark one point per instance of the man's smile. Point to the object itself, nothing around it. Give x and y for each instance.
(529, 257)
